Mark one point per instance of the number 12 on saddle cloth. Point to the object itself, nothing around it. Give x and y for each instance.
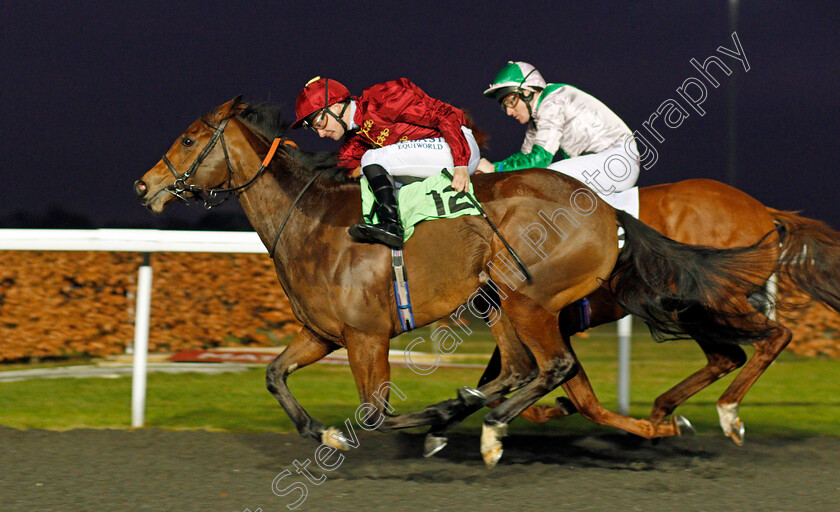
(432, 198)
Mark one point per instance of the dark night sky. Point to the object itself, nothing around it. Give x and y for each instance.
(95, 92)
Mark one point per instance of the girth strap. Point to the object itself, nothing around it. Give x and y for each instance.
(401, 294)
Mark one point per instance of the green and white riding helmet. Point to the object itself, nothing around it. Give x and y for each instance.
(516, 77)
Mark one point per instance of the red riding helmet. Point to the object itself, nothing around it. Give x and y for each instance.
(319, 93)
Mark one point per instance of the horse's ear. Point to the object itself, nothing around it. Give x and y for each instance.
(229, 109)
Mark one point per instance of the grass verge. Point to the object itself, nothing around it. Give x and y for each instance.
(795, 397)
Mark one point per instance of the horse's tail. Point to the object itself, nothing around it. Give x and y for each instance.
(810, 257)
(689, 291)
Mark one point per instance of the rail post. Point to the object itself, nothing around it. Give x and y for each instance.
(141, 342)
(625, 333)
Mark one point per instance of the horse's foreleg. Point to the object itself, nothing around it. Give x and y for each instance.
(721, 360)
(305, 349)
(368, 357)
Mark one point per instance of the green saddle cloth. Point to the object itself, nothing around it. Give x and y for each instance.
(432, 198)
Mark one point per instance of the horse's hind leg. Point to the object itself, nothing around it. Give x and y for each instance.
(537, 328)
(305, 349)
(721, 360)
(536, 413)
(582, 399)
(515, 368)
(510, 367)
(766, 351)
(516, 363)
(580, 392)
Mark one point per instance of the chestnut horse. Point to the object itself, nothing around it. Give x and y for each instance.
(341, 289)
(703, 212)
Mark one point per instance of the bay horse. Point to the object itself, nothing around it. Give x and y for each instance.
(701, 212)
(341, 289)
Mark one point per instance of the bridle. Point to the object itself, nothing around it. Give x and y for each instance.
(181, 187)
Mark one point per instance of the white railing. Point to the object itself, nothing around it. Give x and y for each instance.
(153, 240)
(133, 240)
(130, 240)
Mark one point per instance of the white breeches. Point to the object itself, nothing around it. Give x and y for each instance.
(423, 158)
(613, 170)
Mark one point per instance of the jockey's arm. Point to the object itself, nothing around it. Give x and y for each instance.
(485, 166)
(461, 178)
(538, 157)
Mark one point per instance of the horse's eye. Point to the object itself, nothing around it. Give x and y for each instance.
(186, 142)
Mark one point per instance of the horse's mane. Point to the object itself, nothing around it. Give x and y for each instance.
(266, 121)
(481, 137)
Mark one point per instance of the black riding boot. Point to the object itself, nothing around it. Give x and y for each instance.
(388, 231)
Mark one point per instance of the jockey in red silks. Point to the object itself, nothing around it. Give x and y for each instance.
(392, 129)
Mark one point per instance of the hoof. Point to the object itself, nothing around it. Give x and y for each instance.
(471, 396)
(433, 444)
(731, 424)
(491, 445)
(737, 432)
(683, 426)
(564, 404)
(491, 458)
(333, 437)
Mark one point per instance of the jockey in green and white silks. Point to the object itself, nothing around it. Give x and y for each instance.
(568, 131)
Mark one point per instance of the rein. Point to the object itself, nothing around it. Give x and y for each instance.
(181, 187)
(289, 212)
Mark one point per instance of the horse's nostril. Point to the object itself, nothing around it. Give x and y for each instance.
(140, 188)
